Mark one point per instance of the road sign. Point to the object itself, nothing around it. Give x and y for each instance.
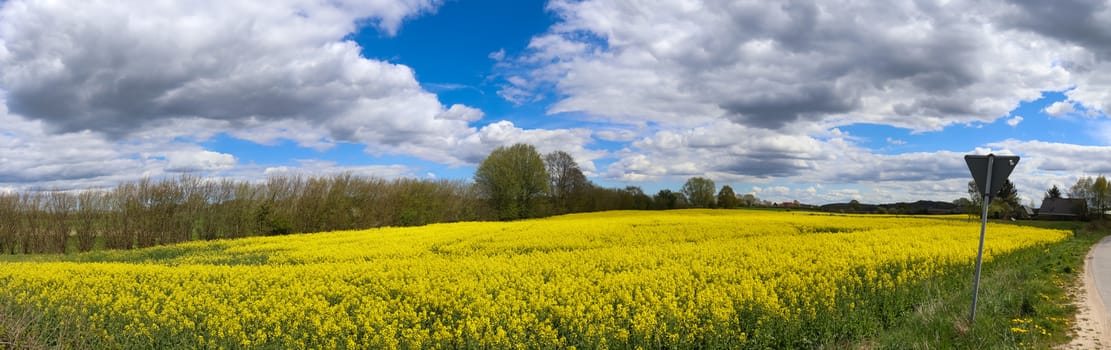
(989, 172)
(1001, 169)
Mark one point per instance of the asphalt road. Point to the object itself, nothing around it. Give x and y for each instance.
(1101, 269)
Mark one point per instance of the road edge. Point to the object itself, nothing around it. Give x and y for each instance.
(1092, 328)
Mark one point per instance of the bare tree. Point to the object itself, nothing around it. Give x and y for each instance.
(567, 183)
(59, 207)
(1101, 195)
(9, 223)
(91, 211)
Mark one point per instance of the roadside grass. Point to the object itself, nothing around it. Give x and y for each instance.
(16, 331)
(1024, 299)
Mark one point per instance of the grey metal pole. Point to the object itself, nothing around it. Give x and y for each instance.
(983, 227)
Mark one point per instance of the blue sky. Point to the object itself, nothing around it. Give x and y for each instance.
(787, 101)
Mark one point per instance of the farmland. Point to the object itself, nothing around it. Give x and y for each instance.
(675, 279)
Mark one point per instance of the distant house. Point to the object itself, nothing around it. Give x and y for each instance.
(794, 204)
(1063, 209)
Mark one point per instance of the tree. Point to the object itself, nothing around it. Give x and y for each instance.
(976, 200)
(1008, 193)
(964, 204)
(727, 199)
(1007, 198)
(568, 185)
(1082, 189)
(1005, 202)
(681, 200)
(854, 205)
(1086, 188)
(512, 179)
(665, 199)
(640, 200)
(1101, 195)
(700, 192)
(1053, 192)
(749, 200)
(961, 202)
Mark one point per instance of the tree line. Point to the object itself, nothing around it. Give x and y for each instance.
(1093, 193)
(514, 182)
(518, 182)
(148, 213)
(1005, 203)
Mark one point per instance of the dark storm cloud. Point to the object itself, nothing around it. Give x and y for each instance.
(773, 110)
(1084, 22)
(769, 166)
(80, 101)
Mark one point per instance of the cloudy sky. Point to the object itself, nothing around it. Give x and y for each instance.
(820, 102)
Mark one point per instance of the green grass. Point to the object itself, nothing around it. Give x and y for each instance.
(1022, 294)
(16, 331)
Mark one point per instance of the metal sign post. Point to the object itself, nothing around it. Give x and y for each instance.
(980, 253)
(990, 174)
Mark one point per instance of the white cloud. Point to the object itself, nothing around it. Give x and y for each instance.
(895, 141)
(851, 194)
(475, 147)
(37, 159)
(774, 190)
(1059, 108)
(497, 55)
(315, 167)
(1013, 122)
(461, 112)
(1093, 88)
(270, 133)
(198, 161)
(1085, 27)
(721, 150)
(733, 154)
(32, 156)
(1059, 157)
(617, 135)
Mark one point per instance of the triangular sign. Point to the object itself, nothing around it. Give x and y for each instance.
(1001, 169)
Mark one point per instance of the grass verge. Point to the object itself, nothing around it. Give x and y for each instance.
(1023, 303)
(15, 331)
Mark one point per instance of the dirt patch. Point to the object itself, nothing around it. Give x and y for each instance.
(1093, 326)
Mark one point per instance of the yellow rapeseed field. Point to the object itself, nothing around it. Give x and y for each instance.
(676, 279)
